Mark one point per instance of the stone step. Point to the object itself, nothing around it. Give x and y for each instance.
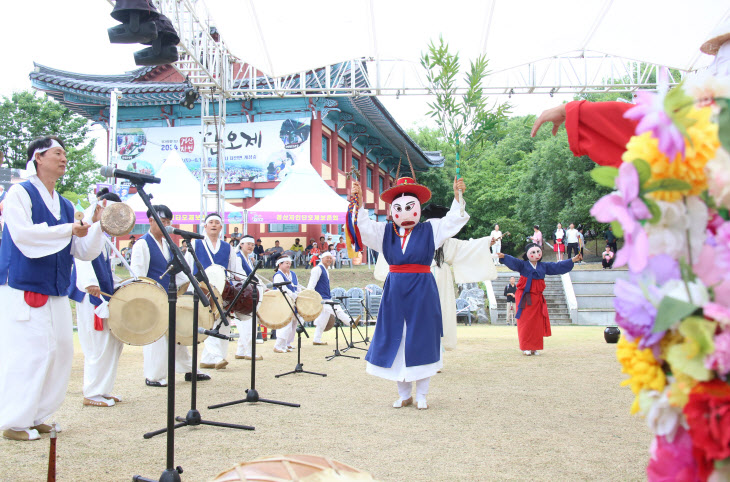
(595, 301)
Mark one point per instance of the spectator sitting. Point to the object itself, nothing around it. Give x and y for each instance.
(131, 242)
(274, 254)
(258, 250)
(315, 255)
(323, 245)
(297, 250)
(341, 244)
(333, 252)
(607, 258)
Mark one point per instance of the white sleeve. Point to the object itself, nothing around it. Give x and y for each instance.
(85, 275)
(233, 260)
(314, 279)
(89, 247)
(140, 261)
(449, 225)
(278, 278)
(371, 232)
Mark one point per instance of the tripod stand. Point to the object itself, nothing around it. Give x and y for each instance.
(338, 324)
(300, 329)
(351, 344)
(252, 396)
(177, 265)
(193, 416)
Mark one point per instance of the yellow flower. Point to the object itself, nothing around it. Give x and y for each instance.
(678, 393)
(645, 373)
(690, 169)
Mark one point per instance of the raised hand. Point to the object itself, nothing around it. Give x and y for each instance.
(556, 115)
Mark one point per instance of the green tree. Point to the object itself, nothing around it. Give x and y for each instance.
(25, 116)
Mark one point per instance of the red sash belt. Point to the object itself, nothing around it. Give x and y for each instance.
(410, 268)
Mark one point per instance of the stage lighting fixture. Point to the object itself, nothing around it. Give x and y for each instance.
(163, 49)
(137, 18)
(189, 98)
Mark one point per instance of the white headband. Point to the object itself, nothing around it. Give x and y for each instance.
(247, 239)
(282, 259)
(211, 218)
(326, 254)
(30, 165)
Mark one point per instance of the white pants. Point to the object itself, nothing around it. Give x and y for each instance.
(496, 248)
(244, 340)
(285, 336)
(215, 350)
(320, 323)
(101, 352)
(155, 360)
(405, 388)
(36, 353)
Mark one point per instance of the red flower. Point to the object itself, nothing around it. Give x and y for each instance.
(708, 416)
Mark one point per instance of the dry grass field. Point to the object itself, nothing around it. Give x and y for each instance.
(495, 415)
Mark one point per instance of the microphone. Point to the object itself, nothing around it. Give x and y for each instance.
(184, 234)
(276, 285)
(135, 177)
(212, 333)
(342, 297)
(330, 302)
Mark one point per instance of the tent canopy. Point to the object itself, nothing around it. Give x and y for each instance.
(179, 191)
(301, 198)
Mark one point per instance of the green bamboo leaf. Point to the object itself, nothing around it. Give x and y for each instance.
(667, 185)
(644, 170)
(605, 176)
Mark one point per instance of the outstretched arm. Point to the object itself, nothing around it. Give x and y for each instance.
(561, 267)
(511, 262)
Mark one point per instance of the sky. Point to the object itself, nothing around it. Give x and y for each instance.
(284, 36)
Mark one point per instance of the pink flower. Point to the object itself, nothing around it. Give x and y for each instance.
(718, 313)
(627, 208)
(720, 359)
(672, 461)
(652, 117)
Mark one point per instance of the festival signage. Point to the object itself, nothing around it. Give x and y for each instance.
(253, 152)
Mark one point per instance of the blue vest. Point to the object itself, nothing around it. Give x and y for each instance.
(220, 258)
(49, 275)
(411, 298)
(245, 265)
(104, 275)
(323, 284)
(158, 263)
(294, 280)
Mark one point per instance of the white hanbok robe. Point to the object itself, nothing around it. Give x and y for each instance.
(245, 340)
(36, 347)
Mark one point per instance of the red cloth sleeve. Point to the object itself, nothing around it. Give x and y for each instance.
(599, 130)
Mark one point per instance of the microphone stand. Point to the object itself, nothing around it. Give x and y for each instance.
(351, 344)
(299, 368)
(252, 396)
(177, 264)
(338, 324)
(193, 416)
(367, 322)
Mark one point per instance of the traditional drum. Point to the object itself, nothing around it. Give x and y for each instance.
(244, 303)
(330, 323)
(184, 317)
(216, 276)
(138, 312)
(274, 312)
(302, 468)
(309, 305)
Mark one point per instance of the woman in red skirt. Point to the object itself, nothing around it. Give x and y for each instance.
(533, 322)
(559, 238)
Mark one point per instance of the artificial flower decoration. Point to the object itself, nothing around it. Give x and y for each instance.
(645, 373)
(688, 357)
(672, 460)
(708, 416)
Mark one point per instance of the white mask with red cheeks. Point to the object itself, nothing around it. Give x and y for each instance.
(406, 211)
(534, 254)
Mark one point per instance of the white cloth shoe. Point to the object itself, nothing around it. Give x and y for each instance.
(400, 403)
(536, 352)
(527, 352)
(421, 404)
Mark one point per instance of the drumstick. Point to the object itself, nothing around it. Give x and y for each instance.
(105, 294)
(124, 261)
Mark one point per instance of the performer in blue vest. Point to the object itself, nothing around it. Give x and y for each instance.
(40, 240)
(406, 345)
(320, 282)
(285, 336)
(214, 251)
(101, 349)
(245, 249)
(150, 256)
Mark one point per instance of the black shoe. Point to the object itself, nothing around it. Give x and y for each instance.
(150, 383)
(201, 377)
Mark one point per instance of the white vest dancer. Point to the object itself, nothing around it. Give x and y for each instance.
(320, 323)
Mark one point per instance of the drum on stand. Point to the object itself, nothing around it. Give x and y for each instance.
(138, 312)
(293, 468)
(244, 304)
(184, 316)
(274, 312)
(309, 305)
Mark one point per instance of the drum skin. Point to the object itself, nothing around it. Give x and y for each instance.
(244, 304)
(274, 312)
(138, 312)
(309, 305)
(184, 317)
(288, 468)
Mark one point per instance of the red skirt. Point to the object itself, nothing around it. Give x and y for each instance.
(559, 246)
(534, 322)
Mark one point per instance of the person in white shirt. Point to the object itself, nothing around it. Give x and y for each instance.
(559, 240)
(496, 234)
(40, 240)
(571, 239)
(213, 250)
(320, 282)
(285, 336)
(150, 256)
(245, 249)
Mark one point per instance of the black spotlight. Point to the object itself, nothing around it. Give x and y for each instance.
(163, 49)
(189, 98)
(137, 17)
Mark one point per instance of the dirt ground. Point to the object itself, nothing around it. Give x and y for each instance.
(495, 415)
